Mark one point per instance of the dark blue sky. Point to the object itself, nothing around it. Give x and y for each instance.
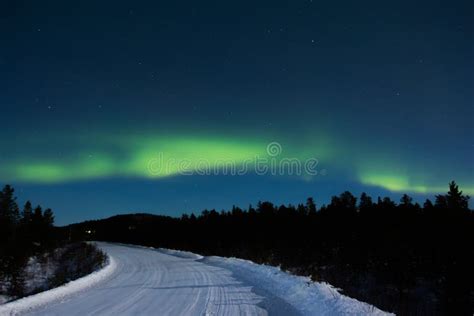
(380, 92)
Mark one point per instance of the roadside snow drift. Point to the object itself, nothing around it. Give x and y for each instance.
(60, 293)
(308, 297)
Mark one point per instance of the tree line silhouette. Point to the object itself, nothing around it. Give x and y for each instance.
(402, 257)
(22, 234)
(30, 233)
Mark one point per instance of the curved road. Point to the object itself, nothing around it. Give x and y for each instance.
(150, 282)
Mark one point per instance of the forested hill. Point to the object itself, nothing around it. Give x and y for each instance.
(401, 257)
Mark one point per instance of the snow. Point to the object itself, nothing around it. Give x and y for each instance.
(60, 293)
(4, 299)
(38, 270)
(144, 281)
(308, 297)
(181, 254)
(37, 273)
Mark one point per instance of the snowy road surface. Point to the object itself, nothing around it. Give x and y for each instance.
(145, 281)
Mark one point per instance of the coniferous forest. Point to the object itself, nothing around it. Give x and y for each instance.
(23, 233)
(28, 235)
(400, 256)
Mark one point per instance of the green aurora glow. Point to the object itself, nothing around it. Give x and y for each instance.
(400, 183)
(144, 156)
(150, 156)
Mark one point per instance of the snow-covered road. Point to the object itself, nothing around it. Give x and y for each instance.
(145, 281)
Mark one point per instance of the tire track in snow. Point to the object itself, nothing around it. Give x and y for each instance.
(150, 282)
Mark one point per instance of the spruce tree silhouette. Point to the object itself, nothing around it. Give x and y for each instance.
(27, 214)
(455, 199)
(19, 236)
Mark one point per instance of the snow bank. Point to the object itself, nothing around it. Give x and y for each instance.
(37, 273)
(57, 294)
(180, 253)
(166, 251)
(4, 299)
(306, 296)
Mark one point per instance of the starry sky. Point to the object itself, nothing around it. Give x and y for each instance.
(381, 93)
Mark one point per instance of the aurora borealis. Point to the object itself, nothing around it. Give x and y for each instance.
(92, 92)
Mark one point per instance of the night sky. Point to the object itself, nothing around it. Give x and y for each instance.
(381, 93)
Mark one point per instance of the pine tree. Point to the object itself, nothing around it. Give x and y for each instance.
(48, 217)
(38, 215)
(456, 200)
(310, 206)
(27, 214)
(388, 203)
(345, 202)
(365, 202)
(441, 202)
(37, 224)
(428, 205)
(453, 200)
(406, 200)
(9, 214)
